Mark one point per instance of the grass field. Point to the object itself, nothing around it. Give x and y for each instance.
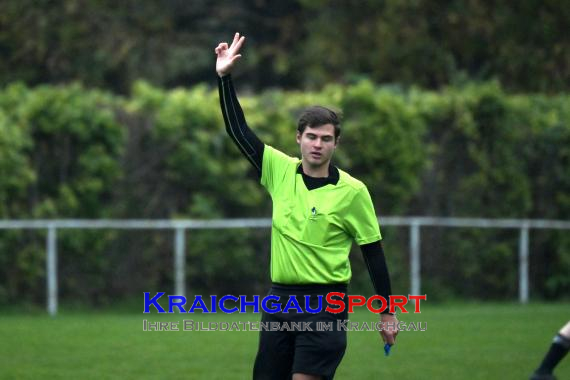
(466, 341)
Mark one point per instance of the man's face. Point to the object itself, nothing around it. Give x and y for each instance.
(317, 145)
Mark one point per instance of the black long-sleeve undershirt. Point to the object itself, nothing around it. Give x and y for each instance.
(252, 148)
(375, 260)
(236, 126)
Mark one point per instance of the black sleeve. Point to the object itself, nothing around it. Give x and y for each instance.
(376, 262)
(247, 142)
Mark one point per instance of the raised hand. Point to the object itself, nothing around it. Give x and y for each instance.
(228, 55)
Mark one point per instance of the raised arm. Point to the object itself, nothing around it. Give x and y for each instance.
(236, 126)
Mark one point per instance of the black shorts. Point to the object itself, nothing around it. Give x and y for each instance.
(318, 352)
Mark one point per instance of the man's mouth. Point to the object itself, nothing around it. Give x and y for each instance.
(316, 154)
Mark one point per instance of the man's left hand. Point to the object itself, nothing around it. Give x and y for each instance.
(389, 328)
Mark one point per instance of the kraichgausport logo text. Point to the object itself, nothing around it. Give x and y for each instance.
(270, 304)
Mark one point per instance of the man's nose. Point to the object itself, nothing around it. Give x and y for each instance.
(318, 143)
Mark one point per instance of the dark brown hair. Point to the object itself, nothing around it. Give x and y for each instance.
(317, 116)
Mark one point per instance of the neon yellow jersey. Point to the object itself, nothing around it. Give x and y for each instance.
(312, 231)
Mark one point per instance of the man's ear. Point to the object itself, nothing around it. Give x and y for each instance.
(298, 137)
(336, 142)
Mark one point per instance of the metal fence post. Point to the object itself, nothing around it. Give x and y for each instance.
(415, 280)
(51, 268)
(523, 265)
(180, 262)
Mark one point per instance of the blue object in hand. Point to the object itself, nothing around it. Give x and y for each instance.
(387, 348)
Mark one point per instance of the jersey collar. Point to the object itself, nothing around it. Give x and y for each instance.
(315, 183)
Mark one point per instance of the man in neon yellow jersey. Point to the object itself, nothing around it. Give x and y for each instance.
(318, 211)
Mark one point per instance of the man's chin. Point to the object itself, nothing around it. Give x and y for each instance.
(316, 163)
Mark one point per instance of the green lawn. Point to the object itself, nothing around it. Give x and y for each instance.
(474, 341)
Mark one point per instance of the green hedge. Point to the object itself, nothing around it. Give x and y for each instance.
(70, 152)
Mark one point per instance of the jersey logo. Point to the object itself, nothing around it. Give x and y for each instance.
(314, 213)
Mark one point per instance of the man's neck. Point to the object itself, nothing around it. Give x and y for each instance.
(316, 171)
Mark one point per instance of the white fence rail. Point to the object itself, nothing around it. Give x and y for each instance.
(180, 226)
